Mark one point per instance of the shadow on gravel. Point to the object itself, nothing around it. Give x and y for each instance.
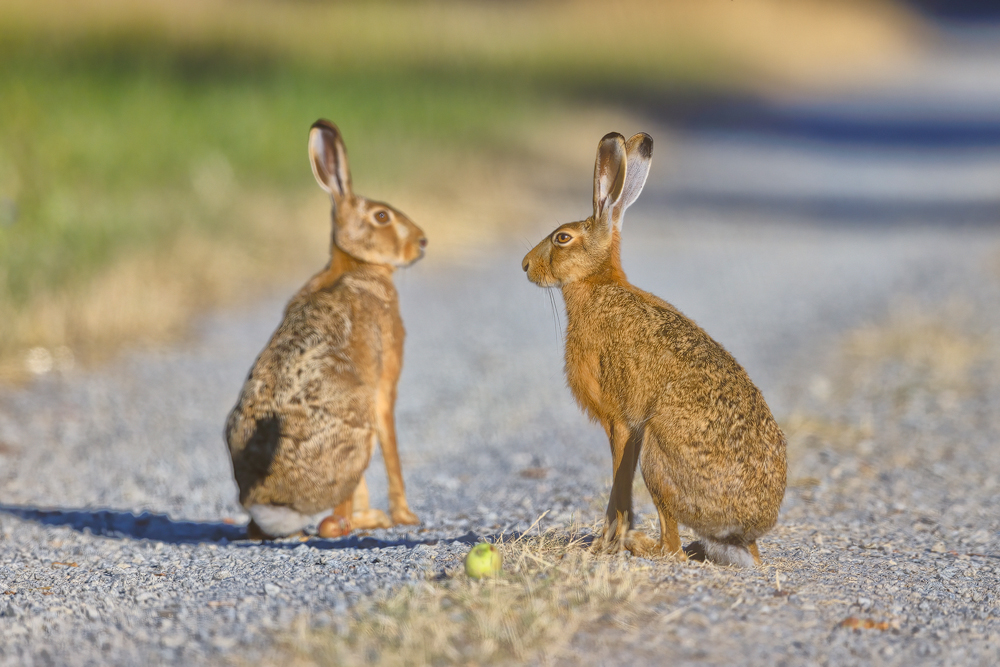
(161, 528)
(145, 526)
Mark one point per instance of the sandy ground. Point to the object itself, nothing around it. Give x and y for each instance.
(119, 527)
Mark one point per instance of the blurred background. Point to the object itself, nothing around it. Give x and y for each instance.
(153, 153)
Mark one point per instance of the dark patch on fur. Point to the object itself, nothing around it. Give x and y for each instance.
(646, 146)
(254, 462)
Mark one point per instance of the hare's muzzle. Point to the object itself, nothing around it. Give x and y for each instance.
(534, 264)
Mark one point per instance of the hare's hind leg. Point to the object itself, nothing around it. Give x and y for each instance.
(644, 546)
(663, 493)
(363, 517)
(752, 548)
(670, 538)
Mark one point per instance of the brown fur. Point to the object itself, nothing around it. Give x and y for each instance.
(667, 394)
(323, 390)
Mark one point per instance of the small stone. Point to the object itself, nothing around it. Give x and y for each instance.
(222, 574)
(938, 548)
(271, 589)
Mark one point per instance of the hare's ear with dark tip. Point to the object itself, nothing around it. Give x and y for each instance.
(329, 159)
(609, 175)
(638, 156)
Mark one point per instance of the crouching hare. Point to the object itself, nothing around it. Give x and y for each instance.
(324, 388)
(668, 396)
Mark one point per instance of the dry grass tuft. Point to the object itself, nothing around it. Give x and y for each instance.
(552, 587)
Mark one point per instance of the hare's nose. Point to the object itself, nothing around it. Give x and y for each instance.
(524, 265)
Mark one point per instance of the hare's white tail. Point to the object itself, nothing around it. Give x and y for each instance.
(726, 554)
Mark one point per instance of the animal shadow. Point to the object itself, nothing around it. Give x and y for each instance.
(161, 528)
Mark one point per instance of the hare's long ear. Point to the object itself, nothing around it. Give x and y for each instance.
(639, 155)
(329, 159)
(609, 176)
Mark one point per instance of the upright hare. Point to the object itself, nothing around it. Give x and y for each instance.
(323, 390)
(668, 395)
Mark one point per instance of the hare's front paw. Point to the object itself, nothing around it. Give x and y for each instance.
(369, 519)
(403, 515)
(611, 540)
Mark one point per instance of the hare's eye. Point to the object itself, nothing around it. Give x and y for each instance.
(382, 217)
(562, 238)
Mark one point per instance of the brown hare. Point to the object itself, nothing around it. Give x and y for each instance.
(668, 395)
(324, 388)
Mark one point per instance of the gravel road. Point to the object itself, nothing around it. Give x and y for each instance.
(120, 531)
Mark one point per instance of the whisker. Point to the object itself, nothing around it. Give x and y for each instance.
(555, 318)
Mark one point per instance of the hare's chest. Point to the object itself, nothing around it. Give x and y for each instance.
(583, 375)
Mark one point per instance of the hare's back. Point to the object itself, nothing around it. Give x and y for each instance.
(679, 367)
(308, 369)
(315, 347)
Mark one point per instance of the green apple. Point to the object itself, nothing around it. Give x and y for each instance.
(484, 560)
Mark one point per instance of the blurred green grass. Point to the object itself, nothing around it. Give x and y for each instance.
(127, 127)
(104, 162)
